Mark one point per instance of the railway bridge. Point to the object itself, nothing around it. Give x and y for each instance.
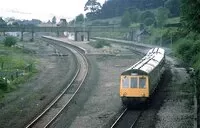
(61, 29)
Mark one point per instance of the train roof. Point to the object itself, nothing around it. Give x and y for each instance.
(148, 62)
(155, 50)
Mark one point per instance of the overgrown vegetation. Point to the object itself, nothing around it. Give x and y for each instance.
(187, 44)
(10, 41)
(99, 43)
(188, 49)
(15, 68)
(3, 84)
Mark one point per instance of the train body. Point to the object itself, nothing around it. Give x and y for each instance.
(139, 82)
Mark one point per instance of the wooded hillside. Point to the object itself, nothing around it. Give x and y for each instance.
(114, 8)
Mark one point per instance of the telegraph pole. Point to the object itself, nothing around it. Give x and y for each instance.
(84, 28)
(75, 34)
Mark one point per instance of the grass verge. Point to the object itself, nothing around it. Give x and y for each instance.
(16, 67)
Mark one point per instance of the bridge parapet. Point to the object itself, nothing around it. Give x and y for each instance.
(62, 29)
(59, 29)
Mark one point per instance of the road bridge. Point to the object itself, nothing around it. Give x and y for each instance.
(61, 29)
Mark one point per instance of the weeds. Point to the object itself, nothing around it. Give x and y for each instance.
(99, 44)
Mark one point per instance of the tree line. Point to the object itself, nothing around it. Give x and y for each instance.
(114, 8)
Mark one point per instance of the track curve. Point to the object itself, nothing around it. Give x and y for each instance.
(63, 99)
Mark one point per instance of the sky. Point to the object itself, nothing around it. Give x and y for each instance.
(42, 9)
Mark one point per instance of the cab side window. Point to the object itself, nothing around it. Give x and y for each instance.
(125, 82)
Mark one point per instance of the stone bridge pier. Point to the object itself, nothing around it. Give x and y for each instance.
(22, 36)
(80, 36)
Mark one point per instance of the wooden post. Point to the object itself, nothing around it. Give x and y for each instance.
(88, 37)
(32, 39)
(131, 35)
(58, 34)
(22, 36)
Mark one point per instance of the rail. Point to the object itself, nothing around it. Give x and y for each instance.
(127, 119)
(49, 115)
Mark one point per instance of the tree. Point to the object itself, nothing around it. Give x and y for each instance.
(9, 41)
(162, 15)
(80, 18)
(145, 15)
(54, 20)
(2, 22)
(134, 13)
(126, 20)
(190, 14)
(174, 7)
(63, 22)
(149, 21)
(92, 5)
(48, 22)
(15, 24)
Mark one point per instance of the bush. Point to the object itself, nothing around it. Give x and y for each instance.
(195, 49)
(126, 19)
(99, 44)
(196, 61)
(145, 15)
(149, 21)
(3, 84)
(184, 49)
(9, 41)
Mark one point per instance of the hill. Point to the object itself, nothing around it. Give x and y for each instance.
(115, 8)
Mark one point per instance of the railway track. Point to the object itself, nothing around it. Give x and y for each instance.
(127, 119)
(55, 108)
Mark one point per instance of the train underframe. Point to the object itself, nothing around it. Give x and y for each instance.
(135, 101)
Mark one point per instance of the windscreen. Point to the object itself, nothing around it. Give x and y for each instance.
(134, 82)
(142, 82)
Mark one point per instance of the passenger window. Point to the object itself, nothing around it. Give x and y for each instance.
(134, 82)
(125, 82)
(142, 82)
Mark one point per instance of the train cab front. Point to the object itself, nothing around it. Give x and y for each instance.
(134, 89)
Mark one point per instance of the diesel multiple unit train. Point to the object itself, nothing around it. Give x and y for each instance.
(138, 82)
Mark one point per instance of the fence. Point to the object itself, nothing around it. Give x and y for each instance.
(11, 75)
